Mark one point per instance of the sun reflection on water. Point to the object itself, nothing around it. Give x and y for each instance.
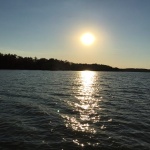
(86, 101)
(87, 78)
(85, 105)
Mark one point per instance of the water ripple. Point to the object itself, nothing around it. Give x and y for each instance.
(74, 110)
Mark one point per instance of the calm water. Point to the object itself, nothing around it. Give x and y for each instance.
(74, 110)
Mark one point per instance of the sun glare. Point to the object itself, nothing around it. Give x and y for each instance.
(87, 39)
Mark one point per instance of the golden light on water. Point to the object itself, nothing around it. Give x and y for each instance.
(86, 105)
(87, 102)
(87, 78)
(85, 108)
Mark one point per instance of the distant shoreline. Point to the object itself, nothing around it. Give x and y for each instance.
(14, 62)
(122, 70)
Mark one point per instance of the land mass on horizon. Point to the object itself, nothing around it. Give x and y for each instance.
(14, 62)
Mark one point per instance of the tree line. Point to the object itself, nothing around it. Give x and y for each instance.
(14, 62)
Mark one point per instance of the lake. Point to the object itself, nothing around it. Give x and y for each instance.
(50, 110)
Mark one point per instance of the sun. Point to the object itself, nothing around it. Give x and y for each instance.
(87, 39)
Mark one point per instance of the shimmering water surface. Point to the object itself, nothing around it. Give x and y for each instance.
(74, 110)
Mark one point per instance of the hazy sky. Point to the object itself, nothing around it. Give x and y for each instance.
(52, 29)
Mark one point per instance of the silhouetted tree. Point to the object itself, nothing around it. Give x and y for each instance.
(12, 61)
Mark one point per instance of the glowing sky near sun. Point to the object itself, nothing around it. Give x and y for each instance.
(52, 29)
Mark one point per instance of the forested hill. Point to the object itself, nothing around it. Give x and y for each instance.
(12, 61)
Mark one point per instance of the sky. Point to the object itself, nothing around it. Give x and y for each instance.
(52, 29)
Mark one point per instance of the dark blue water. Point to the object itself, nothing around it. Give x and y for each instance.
(74, 110)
